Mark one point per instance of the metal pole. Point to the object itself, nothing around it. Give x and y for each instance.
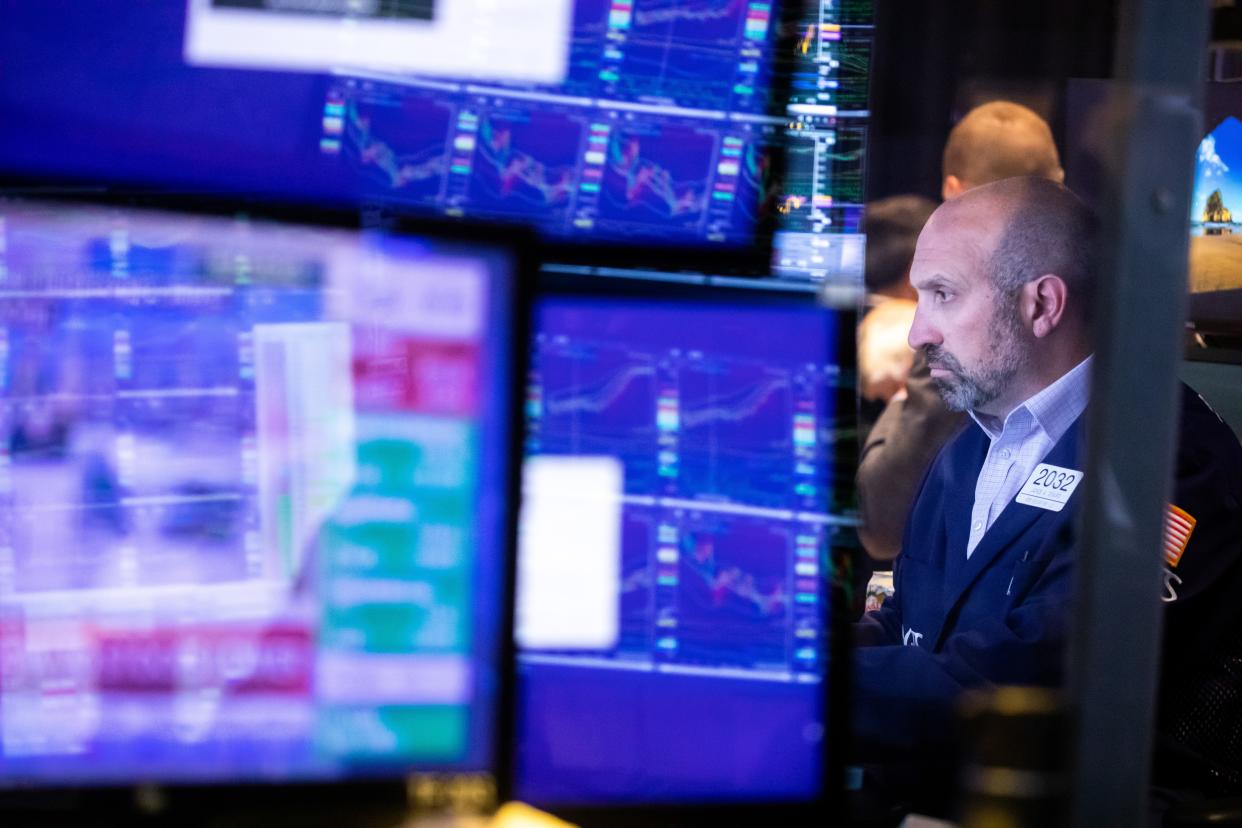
(1147, 146)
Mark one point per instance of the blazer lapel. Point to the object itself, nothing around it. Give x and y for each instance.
(1015, 519)
(959, 500)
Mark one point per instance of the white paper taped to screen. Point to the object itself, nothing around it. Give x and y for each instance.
(569, 553)
(480, 40)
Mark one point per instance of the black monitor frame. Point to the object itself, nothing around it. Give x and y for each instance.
(830, 805)
(363, 801)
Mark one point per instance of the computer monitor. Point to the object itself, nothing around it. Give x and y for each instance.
(1213, 365)
(1216, 209)
(688, 487)
(661, 142)
(820, 209)
(255, 498)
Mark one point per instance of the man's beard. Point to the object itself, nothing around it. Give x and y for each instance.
(971, 390)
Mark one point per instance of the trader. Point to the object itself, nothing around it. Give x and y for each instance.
(1004, 276)
(994, 141)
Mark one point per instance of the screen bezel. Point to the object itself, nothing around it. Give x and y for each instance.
(367, 799)
(567, 283)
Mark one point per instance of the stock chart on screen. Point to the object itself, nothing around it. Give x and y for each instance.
(820, 207)
(251, 499)
(724, 415)
(668, 128)
(656, 132)
(664, 128)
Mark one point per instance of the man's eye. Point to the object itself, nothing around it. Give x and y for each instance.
(941, 295)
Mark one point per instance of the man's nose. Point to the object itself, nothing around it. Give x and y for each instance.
(922, 332)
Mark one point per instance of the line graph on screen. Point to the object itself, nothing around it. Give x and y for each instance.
(525, 157)
(733, 594)
(664, 179)
(400, 146)
(736, 432)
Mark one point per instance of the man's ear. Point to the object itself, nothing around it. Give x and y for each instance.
(951, 188)
(1043, 303)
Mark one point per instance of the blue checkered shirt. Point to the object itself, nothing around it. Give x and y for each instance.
(1027, 435)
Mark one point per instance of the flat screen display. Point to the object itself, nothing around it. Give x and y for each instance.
(1216, 210)
(710, 427)
(660, 131)
(253, 500)
(820, 210)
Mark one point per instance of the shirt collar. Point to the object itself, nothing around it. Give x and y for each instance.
(1054, 409)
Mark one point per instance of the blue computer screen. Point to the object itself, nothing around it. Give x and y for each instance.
(253, 509)
(660, 131)
(723, 414)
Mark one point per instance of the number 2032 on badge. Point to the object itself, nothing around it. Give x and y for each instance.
(1049, 487)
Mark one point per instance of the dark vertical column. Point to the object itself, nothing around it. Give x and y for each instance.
(1146, 143)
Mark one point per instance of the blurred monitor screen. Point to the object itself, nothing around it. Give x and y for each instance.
(661, 130)
(1216, 210)
(701, 432)
(518, 40)
(819, 212)
(252, 498)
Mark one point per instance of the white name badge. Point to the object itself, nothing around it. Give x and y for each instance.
(1049, 487)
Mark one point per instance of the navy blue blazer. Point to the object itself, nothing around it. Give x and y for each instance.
(1000, 616)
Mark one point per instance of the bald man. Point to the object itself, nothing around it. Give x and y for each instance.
(995, 141)
(1004, 276)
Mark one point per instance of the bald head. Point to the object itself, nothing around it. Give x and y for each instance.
(1026, 228)
(1005, 281)
(995, 141)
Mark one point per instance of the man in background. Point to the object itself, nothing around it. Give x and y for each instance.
(892, 227)
(884, 357)
(995, 141)
(998, 140)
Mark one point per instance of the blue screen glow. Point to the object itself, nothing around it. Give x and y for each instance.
(723, 416)
(659, 131)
